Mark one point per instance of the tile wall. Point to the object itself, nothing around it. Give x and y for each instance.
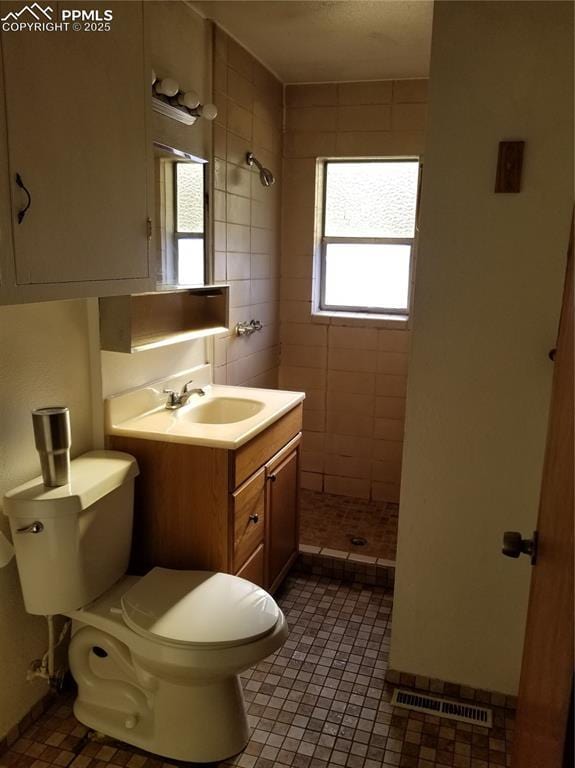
(354, 371)
(246, 214)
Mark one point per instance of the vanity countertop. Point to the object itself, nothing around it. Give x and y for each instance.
(224, 417)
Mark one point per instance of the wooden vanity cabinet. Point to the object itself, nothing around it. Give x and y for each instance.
(220, 510)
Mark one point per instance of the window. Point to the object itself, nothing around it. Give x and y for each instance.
(189, 215)
(368, 231)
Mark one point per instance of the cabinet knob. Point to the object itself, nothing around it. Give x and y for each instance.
(273, 477)
(254, 518)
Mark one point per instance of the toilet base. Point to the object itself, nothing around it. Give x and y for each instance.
(202, 723)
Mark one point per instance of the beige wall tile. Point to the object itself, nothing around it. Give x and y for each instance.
(364, 118)
(343, 402)
(261, 265)
(386, 471)
(219, 206)
(392, 362)
(219, 236)
(324, 94)
(409, 117)
(389, 429)
(311, 481)
(295, 289)
(393, 341)
(314, 421)
(220, 139)
(390, 385)
(365, 93)
(220, 75)
(221, 102)
(219, 174)
(390, 407)
(239, 266)
(239, 59)
(220, 266)
(304, 335)
(347, 466)
(311, 119)
(238, 180)
(240, 295)
(310, 144)
(302, 379)
(344, 445)
(240, 90)
(263, 240)
(238, 238)
(387, 450)
(238, 209)
(408, 91)
(314, 400)
(379, 143)
(313, 441)
(353, 360)
(307, 357)
(346, 486)
(351, 382)
(240, 121)
(237, 149)
(385, 492)
(295, 311)
(349, 424)
(311, 461)
(352, 338)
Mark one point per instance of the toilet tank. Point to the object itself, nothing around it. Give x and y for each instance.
(83, 545)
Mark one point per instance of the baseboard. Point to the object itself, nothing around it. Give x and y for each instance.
(453, 690)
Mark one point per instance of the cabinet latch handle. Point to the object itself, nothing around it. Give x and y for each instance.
(23, 211)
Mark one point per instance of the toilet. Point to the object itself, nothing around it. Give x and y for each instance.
(156, 658)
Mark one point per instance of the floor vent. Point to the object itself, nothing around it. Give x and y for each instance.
(465, 713)
(358, 541)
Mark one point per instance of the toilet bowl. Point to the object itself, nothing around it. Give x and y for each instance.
(156, 658)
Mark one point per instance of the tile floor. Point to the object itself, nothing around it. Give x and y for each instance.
(331, 521)
(319, 702)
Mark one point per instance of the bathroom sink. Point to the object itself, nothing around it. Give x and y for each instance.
(222, 410)
(225, 416)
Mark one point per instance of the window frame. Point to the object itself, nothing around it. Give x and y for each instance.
(176, 235)
(326, 240)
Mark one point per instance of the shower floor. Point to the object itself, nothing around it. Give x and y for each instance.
(329, 521)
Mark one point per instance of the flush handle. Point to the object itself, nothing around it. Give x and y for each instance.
(35, 527)
(514, 545)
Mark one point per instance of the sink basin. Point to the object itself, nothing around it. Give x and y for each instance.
(221, 410)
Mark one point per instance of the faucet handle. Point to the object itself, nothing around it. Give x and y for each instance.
(186, 385)
(173, 396)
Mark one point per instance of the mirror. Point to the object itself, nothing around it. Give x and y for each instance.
(181, 204)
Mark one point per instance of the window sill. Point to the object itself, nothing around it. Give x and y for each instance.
(365, 319)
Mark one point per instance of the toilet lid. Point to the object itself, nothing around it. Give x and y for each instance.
(199, 608)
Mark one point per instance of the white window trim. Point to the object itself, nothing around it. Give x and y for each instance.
(322, 310)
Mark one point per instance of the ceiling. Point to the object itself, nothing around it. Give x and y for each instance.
(313, 42)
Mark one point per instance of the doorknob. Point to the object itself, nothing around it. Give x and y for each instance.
(514, 545)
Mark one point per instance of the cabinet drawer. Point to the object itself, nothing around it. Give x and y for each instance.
(253, 570)
(254, 454)
(248, 511)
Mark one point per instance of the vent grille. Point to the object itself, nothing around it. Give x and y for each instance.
(453, 710)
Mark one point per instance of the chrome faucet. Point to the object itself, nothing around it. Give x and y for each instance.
(176, 400)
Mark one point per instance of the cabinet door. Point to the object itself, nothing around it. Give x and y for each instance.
(253, 570)
(282, 514)
(76, 113)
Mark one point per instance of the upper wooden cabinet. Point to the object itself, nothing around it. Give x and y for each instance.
(76, 133)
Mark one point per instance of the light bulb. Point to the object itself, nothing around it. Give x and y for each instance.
(209, 111)
(189, 99)
(167, 87)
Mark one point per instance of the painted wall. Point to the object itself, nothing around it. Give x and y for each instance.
(488, 293)
(354, 371)
(44, 360)
(246, 214)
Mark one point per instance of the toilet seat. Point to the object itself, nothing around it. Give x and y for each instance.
(200, 609)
